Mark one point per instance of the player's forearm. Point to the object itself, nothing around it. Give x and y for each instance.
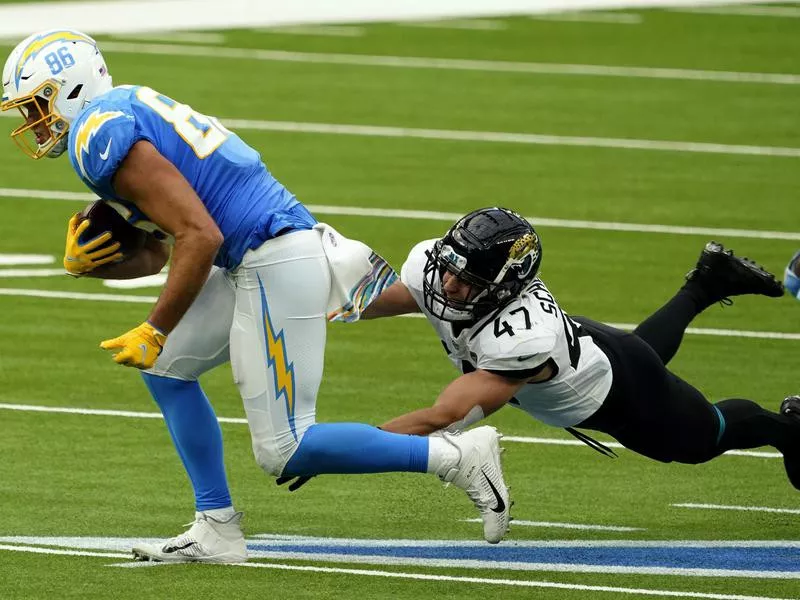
(192, 259)
(395, 300)
(421, 422)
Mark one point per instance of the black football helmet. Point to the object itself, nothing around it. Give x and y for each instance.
(495, 250)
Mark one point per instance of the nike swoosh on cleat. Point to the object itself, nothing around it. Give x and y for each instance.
(501, 506)
(172, 549)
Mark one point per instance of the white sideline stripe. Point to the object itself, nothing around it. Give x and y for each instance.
(63, 552)
(325, 30)
(241, 421)
(357, 211)
(505, 582)
(517, 522)
(588, 17)
(791, 511)
(26, 259)
(769, 335)
(749, 11)
(454, 64)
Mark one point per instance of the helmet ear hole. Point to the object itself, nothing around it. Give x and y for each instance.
(75, 92)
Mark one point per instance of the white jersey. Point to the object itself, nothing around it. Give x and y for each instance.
(520, 339)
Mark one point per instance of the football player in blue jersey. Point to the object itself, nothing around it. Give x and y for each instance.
(249, 281)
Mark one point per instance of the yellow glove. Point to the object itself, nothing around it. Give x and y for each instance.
(140, 347)
(79, 258)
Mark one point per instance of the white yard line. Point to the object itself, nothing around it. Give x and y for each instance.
(510, 582)
(34, 550)
(240, 421)
(358, 211)
(26, 259)
(593, 17)
(323, 30)
(465, 24)
(791, 511)
(453, 64)
(785, 12)
(11, 273)
(87, 296)
(174, 36)
(518, 522)
(502, 137)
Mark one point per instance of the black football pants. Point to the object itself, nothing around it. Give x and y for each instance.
(652, 411)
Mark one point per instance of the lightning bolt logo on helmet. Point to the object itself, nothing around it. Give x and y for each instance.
(88, 129)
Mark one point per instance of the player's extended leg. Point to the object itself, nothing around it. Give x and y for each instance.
(198, 343)
(656, 413)
(277, 354)
(718, 275)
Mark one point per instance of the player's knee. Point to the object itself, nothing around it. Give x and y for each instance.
(272, 456)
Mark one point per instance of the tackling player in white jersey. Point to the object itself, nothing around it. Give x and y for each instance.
(479, 289)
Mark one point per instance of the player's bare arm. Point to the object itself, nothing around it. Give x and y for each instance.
(480, 388)
(159, 190)
(149, 260)
(395, 300)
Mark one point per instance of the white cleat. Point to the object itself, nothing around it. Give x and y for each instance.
(207, 540)
(480, 474)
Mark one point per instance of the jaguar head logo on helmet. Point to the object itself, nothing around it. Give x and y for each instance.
(493, 250)
(50, 77)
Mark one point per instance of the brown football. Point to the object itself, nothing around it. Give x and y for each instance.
(104, 218)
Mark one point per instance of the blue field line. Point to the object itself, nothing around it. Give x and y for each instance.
(731, 558)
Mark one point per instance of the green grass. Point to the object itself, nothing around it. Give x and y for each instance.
(78, 475)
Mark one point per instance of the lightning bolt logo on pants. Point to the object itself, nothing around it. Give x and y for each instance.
(277, 359)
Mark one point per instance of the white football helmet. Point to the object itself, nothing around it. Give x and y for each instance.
(49, 77)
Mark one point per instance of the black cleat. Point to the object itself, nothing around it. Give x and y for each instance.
(791, 408)
(722, 274)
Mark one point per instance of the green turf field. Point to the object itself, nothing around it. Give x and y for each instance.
(77, 475)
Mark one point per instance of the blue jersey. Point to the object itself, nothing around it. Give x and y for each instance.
(246, 202)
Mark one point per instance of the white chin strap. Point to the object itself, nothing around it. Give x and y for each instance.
(58, 148)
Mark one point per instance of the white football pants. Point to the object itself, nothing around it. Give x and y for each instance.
(268, 317)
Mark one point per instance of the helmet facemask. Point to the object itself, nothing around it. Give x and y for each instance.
(40, 120)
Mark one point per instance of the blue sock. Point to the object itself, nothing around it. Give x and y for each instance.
(197, 437)
(356, 448)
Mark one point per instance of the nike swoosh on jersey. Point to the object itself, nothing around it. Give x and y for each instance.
(501, 506)
(104, 154)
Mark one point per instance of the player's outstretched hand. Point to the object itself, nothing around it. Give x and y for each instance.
(294, 482)
(138, 348)
(80, 258)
